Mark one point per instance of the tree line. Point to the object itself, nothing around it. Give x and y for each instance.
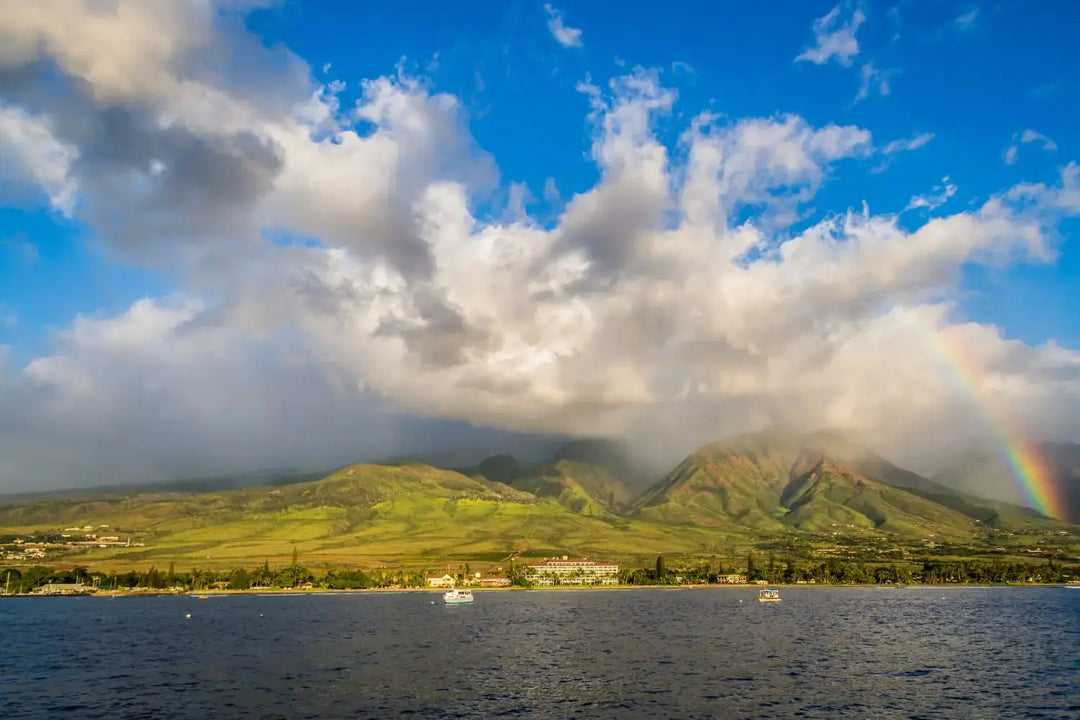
(27, 579)
(835, 570)
(15, 580)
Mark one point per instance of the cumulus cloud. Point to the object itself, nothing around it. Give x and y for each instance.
(564, 34)
(834, 37)
(34, 158)
(344, 295)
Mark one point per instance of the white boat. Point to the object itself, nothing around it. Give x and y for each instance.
(768, 595)
(453, 596)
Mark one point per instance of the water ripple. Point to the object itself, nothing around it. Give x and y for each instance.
(822, 653)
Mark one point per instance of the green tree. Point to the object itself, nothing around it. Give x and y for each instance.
(518, 575)
(661, 571)
(239, 579)
(295, 557)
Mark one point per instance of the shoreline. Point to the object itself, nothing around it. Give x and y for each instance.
(292, 592)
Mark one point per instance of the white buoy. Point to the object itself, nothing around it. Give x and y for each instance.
(188, 615)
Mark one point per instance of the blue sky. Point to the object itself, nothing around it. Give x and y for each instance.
(896, 113)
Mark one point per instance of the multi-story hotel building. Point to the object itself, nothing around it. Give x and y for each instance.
(573, 571)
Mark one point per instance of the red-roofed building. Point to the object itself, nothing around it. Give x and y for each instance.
(573, 571)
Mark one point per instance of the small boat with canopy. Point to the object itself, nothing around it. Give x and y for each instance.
(453, 596)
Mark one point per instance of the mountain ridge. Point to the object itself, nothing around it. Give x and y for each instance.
(734, 493)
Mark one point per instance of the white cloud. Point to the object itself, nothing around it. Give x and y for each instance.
(1065, 198)
(34, 157)
(1029, 136)
(905, 145)
(873, 80)
(551, 191)
(967, 20)
(672, 301)
(938, 196)
(834, 37)
(564, 34)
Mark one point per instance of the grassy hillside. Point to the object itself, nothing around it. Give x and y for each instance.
(1002, 515)
(587, 476)
(714, 488)
(363, 514)
(613, 469)
(816, 483)
(825, 495)
(767, 490)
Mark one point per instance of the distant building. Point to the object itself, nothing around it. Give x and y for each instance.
(481, 580)
(440, 581)
(732, 579)
(573, 571)
(63, 589)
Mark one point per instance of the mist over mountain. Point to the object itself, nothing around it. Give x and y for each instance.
(986, 472)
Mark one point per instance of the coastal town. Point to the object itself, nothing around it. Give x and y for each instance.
(559, 572)
(548, 572)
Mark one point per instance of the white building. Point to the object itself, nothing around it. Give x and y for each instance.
(573, 571)
(443, 581)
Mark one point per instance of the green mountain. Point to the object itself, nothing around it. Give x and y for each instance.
(727, 497)
(994, 513)
(362, 514)
(578, 487)
(610, 464)
(817, 482)
(591, 477)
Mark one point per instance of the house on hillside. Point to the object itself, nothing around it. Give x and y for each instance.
(443, 580)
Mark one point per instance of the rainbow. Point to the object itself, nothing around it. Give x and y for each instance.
(1035, 484)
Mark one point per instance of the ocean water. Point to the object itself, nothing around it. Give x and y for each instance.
(701, 653)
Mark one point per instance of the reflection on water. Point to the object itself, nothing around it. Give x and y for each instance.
(844, 652)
